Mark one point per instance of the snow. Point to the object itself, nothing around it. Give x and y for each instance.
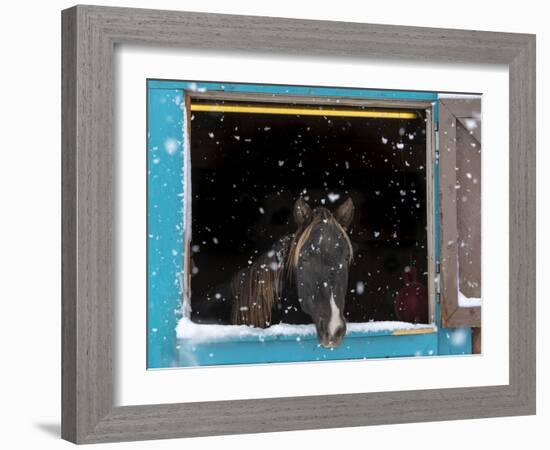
(195, 87)
(170, 145)
(463, 301)
(468, 302)
(186, 329)
(471, 124)
(458, 337)
(180, 281)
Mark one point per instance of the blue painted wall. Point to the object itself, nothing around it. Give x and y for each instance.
(164, 223)
(295, 349)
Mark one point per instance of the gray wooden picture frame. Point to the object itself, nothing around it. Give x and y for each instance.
(90, 34)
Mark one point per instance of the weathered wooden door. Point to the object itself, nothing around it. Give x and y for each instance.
(460, 211)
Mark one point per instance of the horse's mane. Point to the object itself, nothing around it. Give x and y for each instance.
(257, 288)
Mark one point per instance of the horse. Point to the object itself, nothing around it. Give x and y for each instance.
(302, 279)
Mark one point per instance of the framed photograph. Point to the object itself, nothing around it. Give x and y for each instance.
(266, 230)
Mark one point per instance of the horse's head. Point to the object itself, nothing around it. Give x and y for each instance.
(319, 258)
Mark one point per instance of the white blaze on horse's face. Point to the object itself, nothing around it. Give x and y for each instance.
(335, 323)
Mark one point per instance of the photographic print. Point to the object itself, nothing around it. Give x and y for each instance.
(306, 223)
(318, 215)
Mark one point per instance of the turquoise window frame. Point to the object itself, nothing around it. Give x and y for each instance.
(166, 228)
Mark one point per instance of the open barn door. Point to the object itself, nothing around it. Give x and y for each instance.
(460, 211)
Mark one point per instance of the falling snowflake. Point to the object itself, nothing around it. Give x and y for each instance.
(471, 124)
(170, 145)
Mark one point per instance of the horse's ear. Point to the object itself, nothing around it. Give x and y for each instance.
(302, 212)
(344, 213)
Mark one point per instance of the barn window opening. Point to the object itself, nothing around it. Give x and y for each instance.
(250, 161)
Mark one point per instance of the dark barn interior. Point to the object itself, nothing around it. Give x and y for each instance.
(247, 170)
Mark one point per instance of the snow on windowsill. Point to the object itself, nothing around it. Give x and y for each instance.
(188, 330)
(468, 302)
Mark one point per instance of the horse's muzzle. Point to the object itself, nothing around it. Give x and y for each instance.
(330, 340)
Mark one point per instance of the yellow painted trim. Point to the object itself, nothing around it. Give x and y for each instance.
(413, 331)
(284, 110)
